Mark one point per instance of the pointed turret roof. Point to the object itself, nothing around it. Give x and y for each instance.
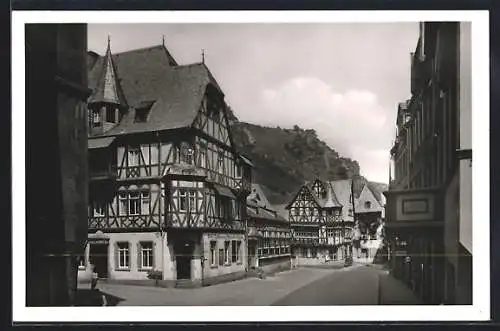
(331, 198)
(108, 87)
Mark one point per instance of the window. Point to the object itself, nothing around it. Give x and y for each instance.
(350, 212)
(238, 171)
(213, 256)
(134, 204)
(233, 251)
(220, 162)
(221, 257)
(99, 209)
(368, 204)
(110, 115)
(227, 258)
(123, 204)
(96, 118)
(192, 201)
(123, 255)
(145, 199)
(134, 155)
(203, 157)
(183, 200)
(147, 255)
(187, 153)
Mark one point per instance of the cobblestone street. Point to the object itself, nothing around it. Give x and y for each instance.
(357, 284)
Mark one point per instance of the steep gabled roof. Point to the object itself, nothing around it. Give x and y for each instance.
(149, 74)
(342, 190)
(367, 196)
(258, 197)
(331, 200)
(307, 188)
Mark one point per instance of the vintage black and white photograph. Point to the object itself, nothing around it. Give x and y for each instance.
(264, 164)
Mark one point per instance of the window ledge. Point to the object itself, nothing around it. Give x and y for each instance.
(122, 269)
(214, 266)
(145, 269)
(227, 264)
(82, 268)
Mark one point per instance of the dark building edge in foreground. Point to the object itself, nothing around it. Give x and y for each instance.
(56, 160)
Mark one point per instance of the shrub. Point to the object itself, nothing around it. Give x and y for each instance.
(155, 274)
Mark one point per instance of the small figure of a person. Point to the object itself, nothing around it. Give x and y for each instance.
(94, 277)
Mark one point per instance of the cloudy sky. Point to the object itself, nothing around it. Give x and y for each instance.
(342, 79)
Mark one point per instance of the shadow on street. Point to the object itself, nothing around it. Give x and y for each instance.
(88, 297)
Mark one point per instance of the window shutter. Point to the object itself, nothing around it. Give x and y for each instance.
(139, 256)
(116, 255)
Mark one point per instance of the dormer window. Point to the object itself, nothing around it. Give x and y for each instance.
(142, 110)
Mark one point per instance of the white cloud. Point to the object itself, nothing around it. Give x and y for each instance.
(352, 122)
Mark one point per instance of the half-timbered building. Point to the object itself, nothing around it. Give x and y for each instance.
(167, 186)
(369, 226)
(269, 234)
(322, 221)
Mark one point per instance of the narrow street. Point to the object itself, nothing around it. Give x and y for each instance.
(357, 286)
(322, 285)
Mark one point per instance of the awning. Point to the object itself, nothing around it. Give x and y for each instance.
(224, 191)
(104, 142)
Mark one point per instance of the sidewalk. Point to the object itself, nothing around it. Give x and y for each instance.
(245, 292)
(394, 292)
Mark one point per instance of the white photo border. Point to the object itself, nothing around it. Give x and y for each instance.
(478, 311)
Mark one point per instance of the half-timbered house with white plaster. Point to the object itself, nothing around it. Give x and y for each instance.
(322, 221)
(269, 234)
(167, 186)
(369, 228)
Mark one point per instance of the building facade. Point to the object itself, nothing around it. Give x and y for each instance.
(429, 198)
(321, 217)
(167, 186)
(368, 240)
(269, 235)
(56, 154)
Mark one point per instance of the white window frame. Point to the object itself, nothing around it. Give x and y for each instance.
(192, 201)
(145, 199)
(123, 204)
(134, 198)
(183, 195)
(213, 253)
(123, 252)
(203, 157)
(134, 156)
(148, 248)
(227, 253)
(99, 209)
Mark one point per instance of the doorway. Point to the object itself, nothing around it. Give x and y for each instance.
(98, 256)
(183, 256)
